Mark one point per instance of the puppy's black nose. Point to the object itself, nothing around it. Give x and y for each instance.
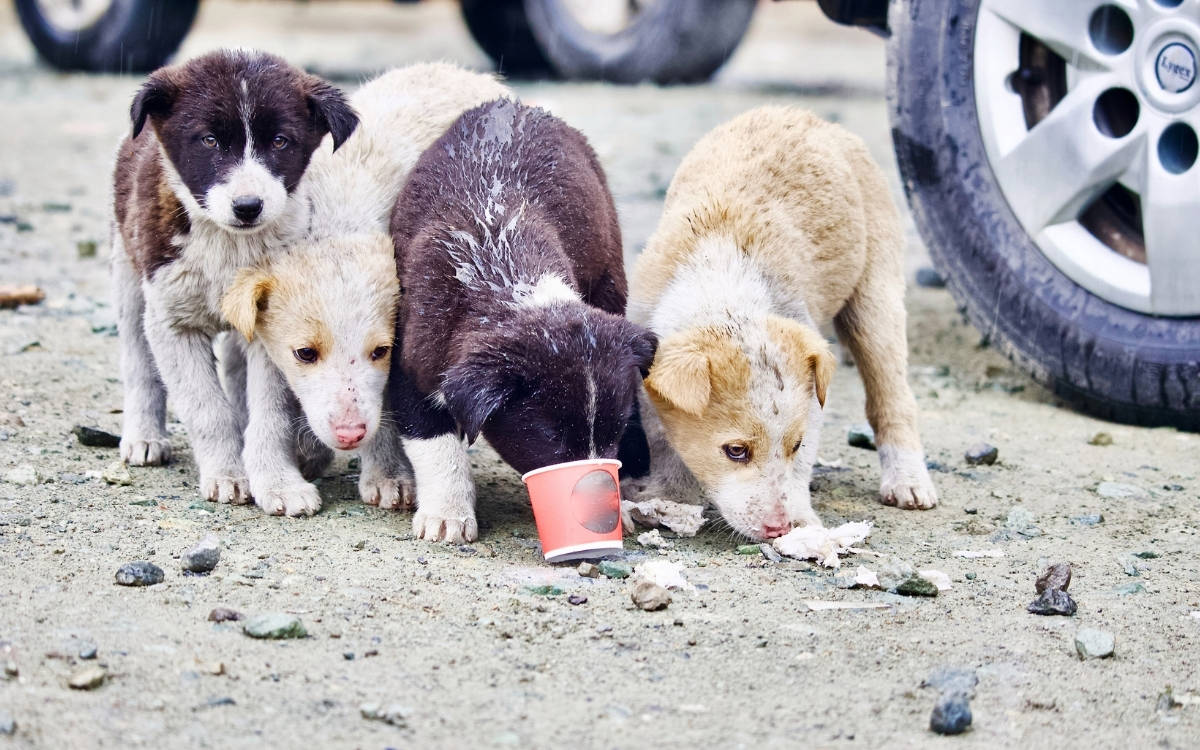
(247, 207)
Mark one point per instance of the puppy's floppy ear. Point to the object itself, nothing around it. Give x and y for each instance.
(680, 373)
(474, 388)
(807, 352)
(330, 110)
(643, 343)
(154, 99)
(246, 299)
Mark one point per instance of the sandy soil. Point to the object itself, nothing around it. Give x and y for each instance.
(454, 635)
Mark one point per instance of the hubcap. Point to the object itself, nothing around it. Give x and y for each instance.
(73, 15)
(1089, 115)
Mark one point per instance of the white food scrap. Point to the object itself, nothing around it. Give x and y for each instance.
(665, 573)
(654, 539)
(685, 519)
(817, 605)
(866, 578)
(936, 577)
(822, 544)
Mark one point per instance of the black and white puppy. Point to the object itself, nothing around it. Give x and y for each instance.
(512, 320)
(208, 181)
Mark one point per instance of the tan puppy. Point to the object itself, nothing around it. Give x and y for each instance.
(775, 223)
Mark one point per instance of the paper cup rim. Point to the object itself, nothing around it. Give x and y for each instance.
(603, 547)
(570, 464)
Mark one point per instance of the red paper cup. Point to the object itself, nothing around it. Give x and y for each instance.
(577, 507)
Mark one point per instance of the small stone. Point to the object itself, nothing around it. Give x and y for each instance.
(224, 614)
(1057, 576)
(951, 714)
(544, 590)
(141, 573)
(1130, 588)
(1092, 519)
(87, 651)
(654, 539)
(1052, 602)
(393, 714)
(1130, 568)
(650, 596)
(588, 570)
(769, 552)
(1094, 644)
(1020, 521)
(1100, 438)
(915, 585)
(86, 248)
(970, 576)
(749, 549)
(88, 678)
(214, 668)
(929, 278)
(1120, 491)
(25, 474)
(982, 454)
(8, 725)
(203, 557)
(576, 599)
(94, 437)
(615, 569)
(275, 626)
(1146, 555)
(117, 473)
(861, 436)
(11, 670)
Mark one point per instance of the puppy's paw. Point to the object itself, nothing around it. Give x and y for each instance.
(145, 452)
(906, 482)
(297, 499)
(389, 493)
(234, 490)
(435, 528)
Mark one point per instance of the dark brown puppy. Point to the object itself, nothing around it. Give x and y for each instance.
(511, 321)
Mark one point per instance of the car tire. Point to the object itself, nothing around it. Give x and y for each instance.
(501, 29)
(1113, 362)
(129, 36)
(670, 41)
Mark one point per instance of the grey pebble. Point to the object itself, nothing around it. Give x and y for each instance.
(87, 651)
(1094, 644)
(951, 714)
(275, 626)
(915, 585)
(95, 437)
(1092, 519)
(1120, 491)
(88, 678)
(615, 569)
(577, 599)
(203, 557)
(982, 454)
(1052, 602)
(394, 714)
(588, 570)
(139, 573)
(769, 552)
(861, 436)
(929, 278)
(224, 614)
(1057, 576)
(8, 725)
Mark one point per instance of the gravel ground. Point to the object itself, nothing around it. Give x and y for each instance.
(450, 642)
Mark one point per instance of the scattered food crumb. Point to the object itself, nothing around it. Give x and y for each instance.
(654, 539)
(664, 573)
(822, 544)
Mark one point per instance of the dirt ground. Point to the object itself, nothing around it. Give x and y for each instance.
(454, 636)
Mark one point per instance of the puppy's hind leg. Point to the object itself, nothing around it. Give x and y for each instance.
(144, 440)
(872, 325)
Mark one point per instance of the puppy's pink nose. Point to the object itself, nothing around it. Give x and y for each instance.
(349, 435)
(773, 532)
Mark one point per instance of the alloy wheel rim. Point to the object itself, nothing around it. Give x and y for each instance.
(1094, 144)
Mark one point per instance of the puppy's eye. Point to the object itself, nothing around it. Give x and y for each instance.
(379, 353)
(279, 143)
(306, 355)
(799, 444)
(737, 452)
(210, 141)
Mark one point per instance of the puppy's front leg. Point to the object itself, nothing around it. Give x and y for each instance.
(144, 439)
(386, 478)
(445, 490)
(270, 456)
(185, 361)
(872, 326)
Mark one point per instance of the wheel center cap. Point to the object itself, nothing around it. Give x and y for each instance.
(1175, 67)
